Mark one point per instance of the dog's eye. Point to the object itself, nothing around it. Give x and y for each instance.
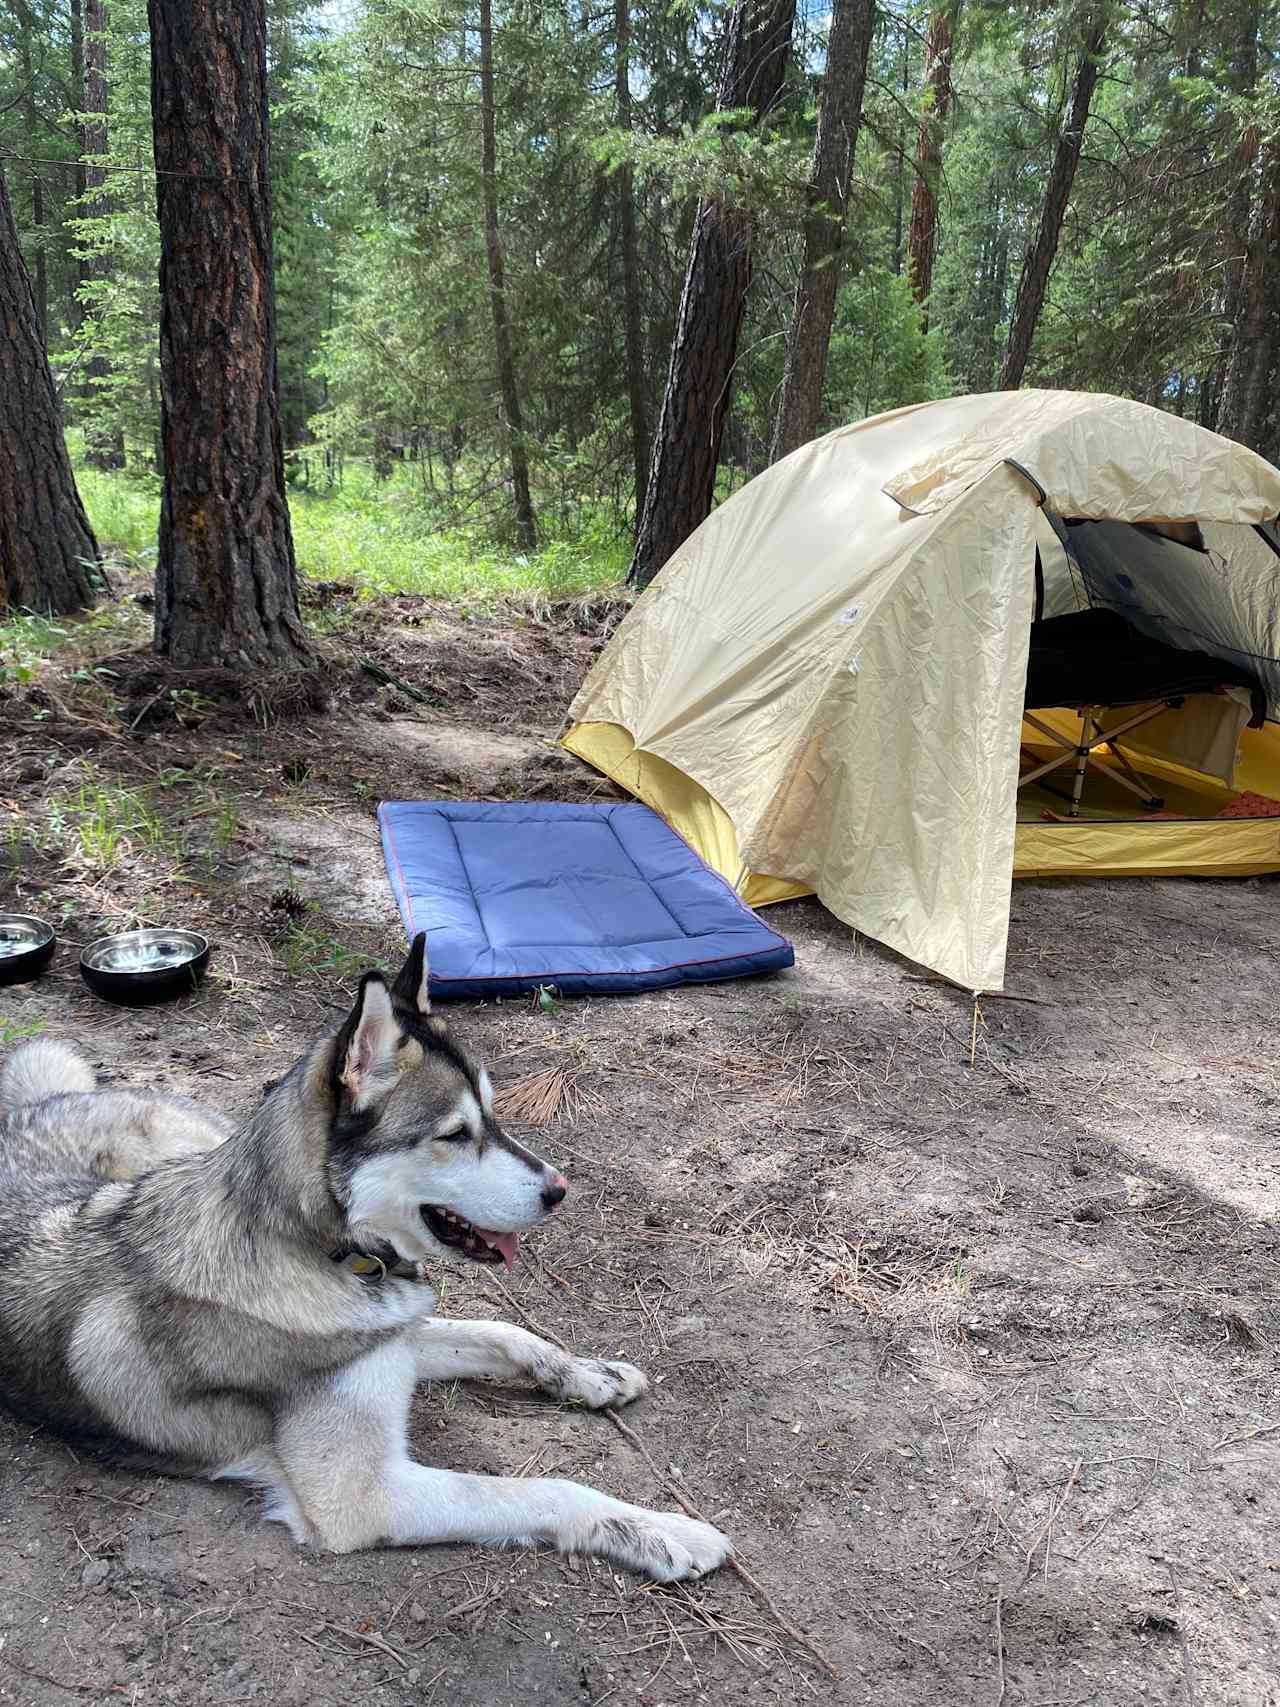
(456, 1135)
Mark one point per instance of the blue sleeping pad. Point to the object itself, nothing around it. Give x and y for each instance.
(584, 899)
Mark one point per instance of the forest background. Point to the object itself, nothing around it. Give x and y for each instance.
(1056, 195)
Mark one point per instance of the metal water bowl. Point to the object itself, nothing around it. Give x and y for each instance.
(140, 967)
(26, 947)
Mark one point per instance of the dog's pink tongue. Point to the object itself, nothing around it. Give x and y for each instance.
(504, 1242)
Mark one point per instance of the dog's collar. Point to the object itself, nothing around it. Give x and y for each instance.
(373, 1269)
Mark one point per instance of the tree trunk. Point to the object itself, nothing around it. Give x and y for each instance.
(30, 125)
(922, 244)
(226, 582)
(1239, 205)
(41, 254)
(76, 305)
(1247, 392)
(839, 119)
(526, 524)
(48, 555)
(999, 289)
(686, 446)
(1044, 246)
(104, 444)
(899, 182)
(633, 328)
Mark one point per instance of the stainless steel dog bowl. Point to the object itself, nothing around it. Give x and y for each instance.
(26, 947)
(140, 967)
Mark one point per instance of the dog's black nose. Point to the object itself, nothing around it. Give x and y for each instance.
(554, 1193)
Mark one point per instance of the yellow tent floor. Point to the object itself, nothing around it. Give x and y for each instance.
(1113, 837)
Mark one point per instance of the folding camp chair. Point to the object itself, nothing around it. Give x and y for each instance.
(1088, 630)
(1092, 736)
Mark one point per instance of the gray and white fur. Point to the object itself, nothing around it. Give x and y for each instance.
(249, 1303)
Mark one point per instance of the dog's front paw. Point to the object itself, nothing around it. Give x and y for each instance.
(602, 1386)
(665, 1545)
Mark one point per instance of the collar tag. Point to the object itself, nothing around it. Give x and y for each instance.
(373, 1269)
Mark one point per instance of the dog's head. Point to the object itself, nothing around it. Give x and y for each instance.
(416, 1159)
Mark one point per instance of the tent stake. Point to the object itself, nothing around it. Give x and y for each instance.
(973, 1039)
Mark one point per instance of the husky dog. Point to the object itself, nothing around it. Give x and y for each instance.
(250, 1304)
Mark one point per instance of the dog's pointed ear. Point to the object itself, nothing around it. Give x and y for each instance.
(367, 1057)
(410, 989)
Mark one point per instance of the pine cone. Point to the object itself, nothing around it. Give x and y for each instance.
(288, 902)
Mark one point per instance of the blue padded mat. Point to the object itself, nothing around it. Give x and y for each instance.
(587, 899)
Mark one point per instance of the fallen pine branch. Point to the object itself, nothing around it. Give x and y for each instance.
(385, 676)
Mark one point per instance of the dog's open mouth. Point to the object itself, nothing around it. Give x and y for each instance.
(474, 1242)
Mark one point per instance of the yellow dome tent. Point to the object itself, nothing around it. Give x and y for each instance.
(823, 691)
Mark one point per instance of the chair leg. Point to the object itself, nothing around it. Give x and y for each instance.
(1132, 780)
(1082, 759)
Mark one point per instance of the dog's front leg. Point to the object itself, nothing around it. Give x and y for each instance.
(441, 1505)
(344, 1451)
(449, 1350)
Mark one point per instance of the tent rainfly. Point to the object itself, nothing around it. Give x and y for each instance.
(824, 690)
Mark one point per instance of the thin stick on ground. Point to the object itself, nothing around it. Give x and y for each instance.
(371, 1639)
(1188, 1676)
(1000, 1648)
(681, 1498)
(735, 1564)
(1046, 1533)
(1240, 1439)
(44, 1677)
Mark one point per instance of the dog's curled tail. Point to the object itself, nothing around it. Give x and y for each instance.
(43, 1068)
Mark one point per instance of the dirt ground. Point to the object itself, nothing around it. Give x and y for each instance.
(968, 1336)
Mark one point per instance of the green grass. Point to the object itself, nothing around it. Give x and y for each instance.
(308, 951)
(381, 539)
(124, 510)
(176, 825)
(104, 823)
(25, 641)
(13, 1031)
(28, 638)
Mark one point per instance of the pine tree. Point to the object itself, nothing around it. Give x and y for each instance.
(839, 119)
(104, 440)
(632, 319)
(226, 583)
(1043, 249)
(686, 449)
(525, 524)
(48, 555)
(922, 243)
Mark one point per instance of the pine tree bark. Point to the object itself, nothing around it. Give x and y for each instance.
(1043, 250)
(686, 446)
(31, 128)
(633, 329)
(900, 154)
(922, 241)
(104, 443)
(1248, 390)
(525, 520)
(77, 87)
(1243, 80)
(812, 313)
(48, 555)
(226, 581)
